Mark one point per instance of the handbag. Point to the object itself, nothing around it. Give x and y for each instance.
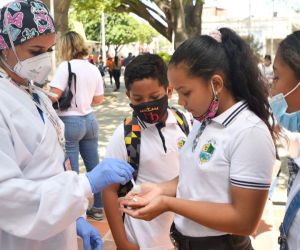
(64, 102)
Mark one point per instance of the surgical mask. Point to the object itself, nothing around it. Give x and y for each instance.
(151, 112)
(290, 121)
(212, 109)
(35, 69)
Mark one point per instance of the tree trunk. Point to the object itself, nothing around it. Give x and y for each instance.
(187, 20)
(61, 9)
(183, 17)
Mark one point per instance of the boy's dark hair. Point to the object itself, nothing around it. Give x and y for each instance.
(146, 66)
(289, 52)
(233, 58)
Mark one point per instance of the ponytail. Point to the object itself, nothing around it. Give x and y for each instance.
(244, 80)
(233, 57)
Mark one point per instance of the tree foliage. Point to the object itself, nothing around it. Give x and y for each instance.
(255, 45)
(181, 18)
(120, 28)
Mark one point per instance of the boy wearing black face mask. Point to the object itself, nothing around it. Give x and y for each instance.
(151, 146)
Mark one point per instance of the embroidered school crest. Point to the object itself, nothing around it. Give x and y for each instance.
(180, 142)
(207, 151)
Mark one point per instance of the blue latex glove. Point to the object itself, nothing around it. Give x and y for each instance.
(108, 172)
(90, 235)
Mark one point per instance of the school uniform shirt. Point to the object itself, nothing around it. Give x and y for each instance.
(293, 146)
(156, 166)
(39, 201)
(89, 83)
(236, 148)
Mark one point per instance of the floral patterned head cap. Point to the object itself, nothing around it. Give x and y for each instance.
(24, 19)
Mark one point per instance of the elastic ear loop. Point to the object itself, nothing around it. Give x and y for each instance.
(290, 92)
(213, 88)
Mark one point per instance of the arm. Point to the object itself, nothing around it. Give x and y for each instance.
(99, 91)
(116, 149)
(114, 216)
(239, 217)
(59, 82)
(97, 100)
(252, 175)
(58, 93)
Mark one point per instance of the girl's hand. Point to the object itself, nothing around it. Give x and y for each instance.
(148, 192)
(153, 209)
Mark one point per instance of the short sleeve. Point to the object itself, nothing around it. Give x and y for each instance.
(60, 78)
(252, 159)
(99, 88)
(116, 148)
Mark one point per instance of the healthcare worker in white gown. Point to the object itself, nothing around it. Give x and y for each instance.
(40, 201)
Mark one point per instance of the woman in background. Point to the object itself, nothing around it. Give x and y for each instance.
(81, 125)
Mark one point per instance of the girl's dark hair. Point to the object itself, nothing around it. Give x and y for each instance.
(289, 52)
(146, 66)
(204, 56)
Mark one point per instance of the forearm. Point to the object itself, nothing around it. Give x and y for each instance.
(97, 100)
(229, 218)
(114, 215)
(169, 188)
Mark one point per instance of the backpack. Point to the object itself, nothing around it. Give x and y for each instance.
(132, 138)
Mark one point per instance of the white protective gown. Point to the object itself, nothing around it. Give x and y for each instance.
(39, 201)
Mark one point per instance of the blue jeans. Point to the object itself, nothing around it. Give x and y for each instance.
(81, 133)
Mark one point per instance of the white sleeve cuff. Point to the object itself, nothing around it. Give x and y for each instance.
(85, 185)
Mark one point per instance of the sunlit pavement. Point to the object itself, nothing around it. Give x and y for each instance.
(113, 111)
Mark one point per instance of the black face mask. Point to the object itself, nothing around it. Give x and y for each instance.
(151, 112)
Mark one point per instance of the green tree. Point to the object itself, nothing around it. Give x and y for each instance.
(120, 30)
(179, 17)
(61, 9)
(255, 45)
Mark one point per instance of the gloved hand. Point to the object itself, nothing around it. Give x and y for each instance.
(108, 172)
(90, 235)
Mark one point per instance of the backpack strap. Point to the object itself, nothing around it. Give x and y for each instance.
(181, 120)
(72, 76)
(132, 138)
(287, 221)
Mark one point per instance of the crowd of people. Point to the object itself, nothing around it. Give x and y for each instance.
(163, 174)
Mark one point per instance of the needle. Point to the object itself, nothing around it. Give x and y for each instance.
(133, 182)
(136, 188)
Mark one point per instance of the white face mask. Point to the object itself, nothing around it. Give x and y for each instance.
(35, 69)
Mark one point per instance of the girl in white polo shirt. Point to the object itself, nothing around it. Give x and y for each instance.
(226, 162)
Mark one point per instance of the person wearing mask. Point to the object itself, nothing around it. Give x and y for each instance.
(226, 163)
(40, 201)
(159, 133)
(81, 125)
(286, 108)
